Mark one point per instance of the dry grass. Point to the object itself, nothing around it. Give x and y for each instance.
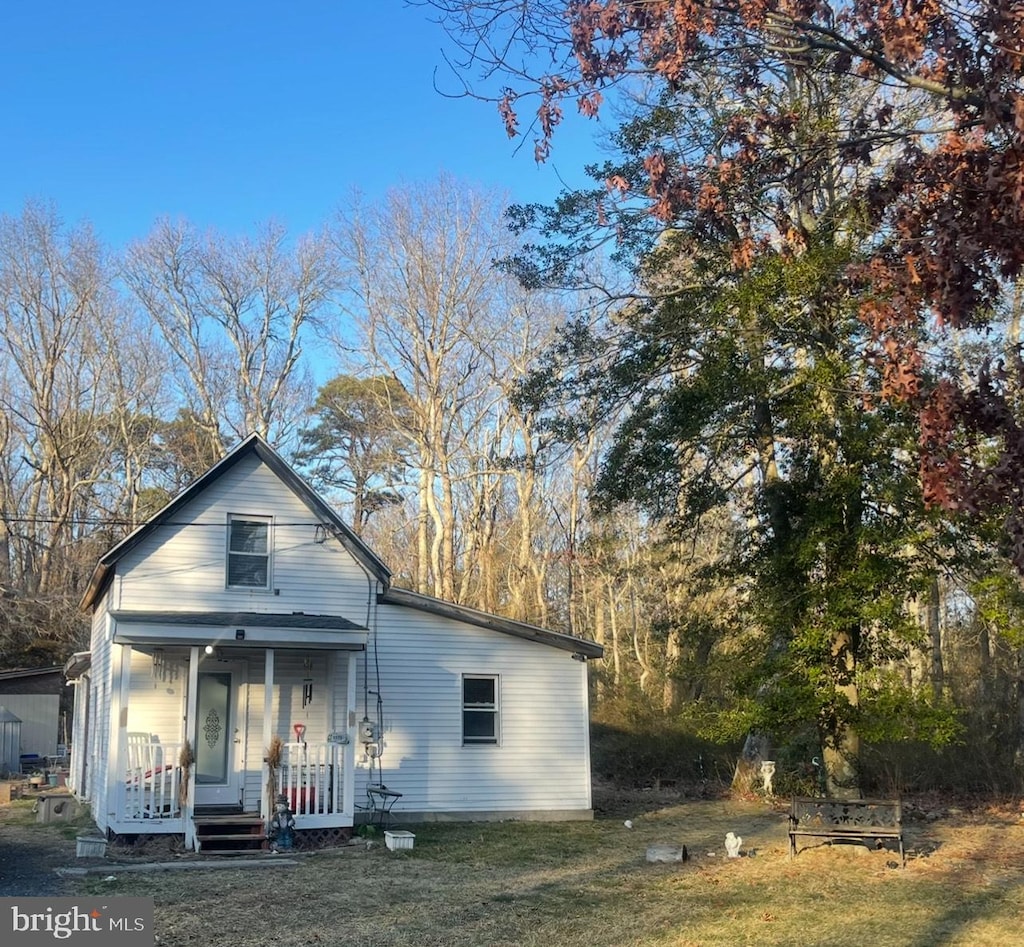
(589, 885)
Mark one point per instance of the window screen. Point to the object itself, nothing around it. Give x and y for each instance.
(479, 709)
(248, 553)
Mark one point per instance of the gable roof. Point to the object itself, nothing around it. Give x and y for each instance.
(252, 445)
(437, 606)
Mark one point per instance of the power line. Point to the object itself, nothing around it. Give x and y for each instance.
(93, 521)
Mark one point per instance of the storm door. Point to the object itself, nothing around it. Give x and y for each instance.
(219, 741)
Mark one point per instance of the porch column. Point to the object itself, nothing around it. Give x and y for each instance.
(188, 809)
(266, 805)
(117, 764)
(349, 749)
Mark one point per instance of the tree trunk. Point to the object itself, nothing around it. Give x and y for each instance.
(1018, 693)
(746, 778)
(423, 532)
(840, 743)
(938, 674)
(671, 692)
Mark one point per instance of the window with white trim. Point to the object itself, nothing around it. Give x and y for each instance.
(248, 565)
(480, 724)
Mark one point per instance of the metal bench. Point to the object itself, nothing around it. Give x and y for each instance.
(846, 819)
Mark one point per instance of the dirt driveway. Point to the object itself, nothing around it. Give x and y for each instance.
(578, 884)
(30, 852)
(29, 857)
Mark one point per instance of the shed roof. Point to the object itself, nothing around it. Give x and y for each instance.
(28, 672)
(436, 606)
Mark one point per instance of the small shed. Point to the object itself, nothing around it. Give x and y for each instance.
(10, 742)
(34, 695)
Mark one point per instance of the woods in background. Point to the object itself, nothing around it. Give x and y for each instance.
(663, 454)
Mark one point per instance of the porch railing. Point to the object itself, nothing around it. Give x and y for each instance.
(311, 777)
(153, 781)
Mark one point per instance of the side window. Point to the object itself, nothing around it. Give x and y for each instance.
(479, 709)
(248, 564)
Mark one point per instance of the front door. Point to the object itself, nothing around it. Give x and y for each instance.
(219, 739)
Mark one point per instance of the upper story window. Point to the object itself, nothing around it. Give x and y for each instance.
(248, 552)
(479, 709)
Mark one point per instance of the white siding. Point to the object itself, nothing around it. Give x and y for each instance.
(320, 717)
(255, 752)
(542, 760)
(182, 567)
(156, 702)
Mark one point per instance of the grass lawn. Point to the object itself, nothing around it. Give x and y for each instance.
(588, 884)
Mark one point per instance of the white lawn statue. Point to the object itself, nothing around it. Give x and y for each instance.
(767, 774)
(732, 845)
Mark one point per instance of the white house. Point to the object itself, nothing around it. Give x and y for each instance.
(246, 644)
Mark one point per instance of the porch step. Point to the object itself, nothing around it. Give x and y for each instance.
(232, 836)
(229, 834)
(226, 818)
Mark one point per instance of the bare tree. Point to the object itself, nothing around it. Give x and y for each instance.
(55, 295)
(233, 313)
(505, 543)
(423, 293)
(137, 378)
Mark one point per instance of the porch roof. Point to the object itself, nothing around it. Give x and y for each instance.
(262, 629)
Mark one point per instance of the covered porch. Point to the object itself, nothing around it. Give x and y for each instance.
(220, 725)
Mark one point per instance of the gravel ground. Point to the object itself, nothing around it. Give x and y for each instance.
(29, 857)
(30, 853)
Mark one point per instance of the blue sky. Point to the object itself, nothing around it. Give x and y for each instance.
(229, 113)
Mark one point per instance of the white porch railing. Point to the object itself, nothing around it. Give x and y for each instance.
(311, 777)
(153, 781)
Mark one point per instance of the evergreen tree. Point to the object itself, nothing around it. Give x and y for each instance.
(753, 394)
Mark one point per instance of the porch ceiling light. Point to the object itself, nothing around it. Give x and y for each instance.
(209, 649)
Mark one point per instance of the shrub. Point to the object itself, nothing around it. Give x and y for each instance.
(638, 745)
